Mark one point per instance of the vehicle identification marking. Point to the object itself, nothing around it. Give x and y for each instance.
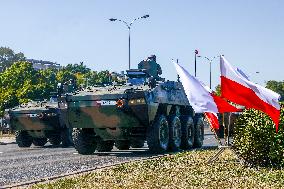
(106, 102)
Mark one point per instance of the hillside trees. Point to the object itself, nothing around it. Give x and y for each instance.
(8, 57)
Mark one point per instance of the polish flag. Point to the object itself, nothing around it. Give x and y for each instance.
(236, 87)
(202, 99)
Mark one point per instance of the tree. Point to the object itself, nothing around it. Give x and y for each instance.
(77, 68)
(16, 84)
(218, 90)
(21, 83)
(65, 75)
(8, 57)
(97, 78)
(276, 86)
(47, 82)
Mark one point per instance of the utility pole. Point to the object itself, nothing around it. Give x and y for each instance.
(128, 25)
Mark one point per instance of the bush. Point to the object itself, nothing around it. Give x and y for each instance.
(256, 140)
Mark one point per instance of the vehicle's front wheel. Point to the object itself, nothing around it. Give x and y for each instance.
(23, 139)
(84, 141)
(158, 135)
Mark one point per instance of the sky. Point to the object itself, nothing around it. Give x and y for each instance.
(249, 33)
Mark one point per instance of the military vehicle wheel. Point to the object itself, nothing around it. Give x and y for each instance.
(39, 141)
(158, 135)
(137, 143)
(122, 144)
(175, 133)
(55, 140)
(104, 146)
(66, 137)
(23, 139)
(84, 141)
(187, 132)
(199, 132)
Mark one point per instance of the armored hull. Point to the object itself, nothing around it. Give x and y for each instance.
(130, 114)
(37, 118)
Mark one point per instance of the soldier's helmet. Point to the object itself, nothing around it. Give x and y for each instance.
(152, 58)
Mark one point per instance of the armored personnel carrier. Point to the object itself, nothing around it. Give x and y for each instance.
(39, 122)
(146, 108)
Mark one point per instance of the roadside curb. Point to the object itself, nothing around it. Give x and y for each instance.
(5, 143)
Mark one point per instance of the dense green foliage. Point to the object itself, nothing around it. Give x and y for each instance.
(256, 140)
(218, 90)
(20, 82)
(277, 86)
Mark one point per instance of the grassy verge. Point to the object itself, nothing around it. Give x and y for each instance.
(183, 170)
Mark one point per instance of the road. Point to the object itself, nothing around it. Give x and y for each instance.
(25, 164)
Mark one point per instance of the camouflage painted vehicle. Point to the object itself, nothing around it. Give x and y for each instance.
(146, 108)
(39, 122)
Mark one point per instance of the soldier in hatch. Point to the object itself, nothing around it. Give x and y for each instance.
(151, 66)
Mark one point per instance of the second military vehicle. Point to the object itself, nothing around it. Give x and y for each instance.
(39, 122)
(146, 108)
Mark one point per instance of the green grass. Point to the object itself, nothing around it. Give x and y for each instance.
(182, 170)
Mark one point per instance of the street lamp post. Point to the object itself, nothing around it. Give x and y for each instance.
(128, 25)
(210, 72)
(195, 54)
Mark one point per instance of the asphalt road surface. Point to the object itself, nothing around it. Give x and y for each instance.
(26, 164)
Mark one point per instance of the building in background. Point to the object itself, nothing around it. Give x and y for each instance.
(42, 64)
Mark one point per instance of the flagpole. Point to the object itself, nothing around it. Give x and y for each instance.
(214, 131)
(195, 54)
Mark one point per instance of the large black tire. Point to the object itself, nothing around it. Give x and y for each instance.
(137, 143)
(84, 141)
(122, 144)
(23, 139)
(66, 137)
(199, 132)
(158, 135)
(39, 141)
(104, 146)
(187, 132)
(175, 133)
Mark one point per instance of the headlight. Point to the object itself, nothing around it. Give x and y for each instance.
(137, 101)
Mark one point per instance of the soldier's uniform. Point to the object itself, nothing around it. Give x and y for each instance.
(151, 66)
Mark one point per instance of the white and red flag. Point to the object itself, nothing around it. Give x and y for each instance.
(202, 99)
(236, 87)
